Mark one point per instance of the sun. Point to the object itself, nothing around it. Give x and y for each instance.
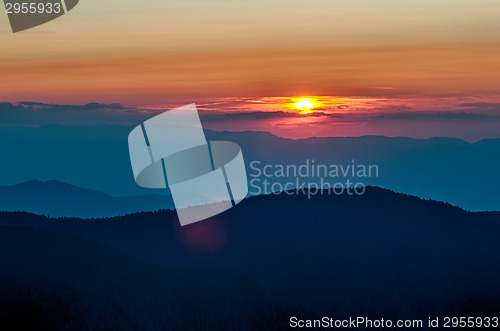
(305, 106)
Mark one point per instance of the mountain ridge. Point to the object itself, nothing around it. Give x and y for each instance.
(97, 157)
(60, 199)
(378, 254)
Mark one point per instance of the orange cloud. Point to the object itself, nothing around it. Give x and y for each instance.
(429, 70)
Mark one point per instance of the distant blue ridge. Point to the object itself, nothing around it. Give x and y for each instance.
(96, 157)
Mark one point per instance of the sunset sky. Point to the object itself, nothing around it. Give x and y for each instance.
(375, 64)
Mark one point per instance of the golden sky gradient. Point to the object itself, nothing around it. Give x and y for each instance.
(152, 52)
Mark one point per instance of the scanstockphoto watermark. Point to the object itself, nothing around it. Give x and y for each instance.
(310, 178)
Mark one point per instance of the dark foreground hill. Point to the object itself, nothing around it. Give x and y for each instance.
(381, 254)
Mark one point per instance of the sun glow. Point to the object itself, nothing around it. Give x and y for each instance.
(305, 106)
(309, 105)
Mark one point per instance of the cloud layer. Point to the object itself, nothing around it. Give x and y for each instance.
(471, 120)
